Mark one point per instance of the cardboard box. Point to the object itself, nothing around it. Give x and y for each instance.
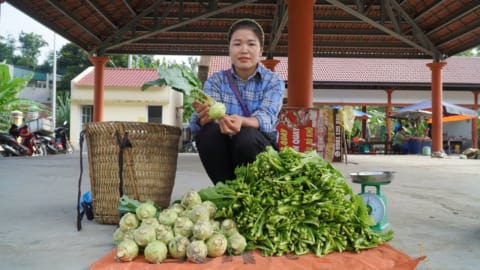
(41, 125)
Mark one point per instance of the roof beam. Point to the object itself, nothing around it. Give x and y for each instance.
(395, 21)
(381, 27)
(467, 30)
(97, 8)
(127, 4)
(130, 26)
(281, 19)
(107, 47)
(70, 17)
(428, 9)
(418, 33)
(456, 17)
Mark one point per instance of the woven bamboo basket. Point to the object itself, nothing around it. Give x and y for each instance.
(149, 165)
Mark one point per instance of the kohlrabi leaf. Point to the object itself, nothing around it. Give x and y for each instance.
(159, 82)
(174, 77)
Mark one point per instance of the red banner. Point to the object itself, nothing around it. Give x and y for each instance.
(311, 130)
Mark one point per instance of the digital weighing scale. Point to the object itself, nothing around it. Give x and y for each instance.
(376, 202)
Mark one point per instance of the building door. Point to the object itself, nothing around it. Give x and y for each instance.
(85, 117)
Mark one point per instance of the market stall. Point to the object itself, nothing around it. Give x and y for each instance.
(287, 208)
(420, 117)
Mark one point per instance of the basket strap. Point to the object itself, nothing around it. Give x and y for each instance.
(130, 169)
(80, 214)
(123, 143)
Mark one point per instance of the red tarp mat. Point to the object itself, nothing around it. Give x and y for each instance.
(384, 257)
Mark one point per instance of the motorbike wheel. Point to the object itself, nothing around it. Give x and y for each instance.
(69, 149)
(41, 150)
(10, 150)
(51, 149)
(6, 153)
(190, 148)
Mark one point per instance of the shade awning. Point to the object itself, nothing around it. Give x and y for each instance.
(451, 112)
(417, 114)
(453, 118)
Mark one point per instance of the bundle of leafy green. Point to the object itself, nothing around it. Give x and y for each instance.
(184, 80)
(289, 202)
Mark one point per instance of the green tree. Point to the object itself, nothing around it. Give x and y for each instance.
(117, 61)
(7, 49)
(30, 44)
(138, 61)
(72, 60)
(9, 100)
(377, 123)
(63, 108)
(471, 53)
(47, 65)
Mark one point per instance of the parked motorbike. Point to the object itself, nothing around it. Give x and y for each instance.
(49, 142)
(11, 147)
(29, 144)
(60, 141)
(188, 142)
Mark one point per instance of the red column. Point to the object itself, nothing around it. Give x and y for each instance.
(99, 64)
(270, 63)
(300, 53)
(437, 110)
(475, 120)
(388, 111)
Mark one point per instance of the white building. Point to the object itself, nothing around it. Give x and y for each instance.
(123, 99)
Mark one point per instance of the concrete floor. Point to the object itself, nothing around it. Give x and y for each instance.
(433, 206)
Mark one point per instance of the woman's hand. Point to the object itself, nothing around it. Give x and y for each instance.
(230, 124)
(202, 110)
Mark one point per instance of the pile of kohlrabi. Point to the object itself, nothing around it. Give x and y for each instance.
(185, 230)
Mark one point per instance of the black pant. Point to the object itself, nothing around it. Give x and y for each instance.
(221, 153)
(399, 149)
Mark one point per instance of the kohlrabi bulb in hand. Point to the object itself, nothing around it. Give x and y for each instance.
(217, 110)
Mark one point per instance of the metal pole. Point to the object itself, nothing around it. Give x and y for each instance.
(54, 85)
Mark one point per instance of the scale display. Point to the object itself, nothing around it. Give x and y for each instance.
(375, 205)
(376, 202)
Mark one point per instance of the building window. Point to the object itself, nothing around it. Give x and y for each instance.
(87, 114)
(155, 114)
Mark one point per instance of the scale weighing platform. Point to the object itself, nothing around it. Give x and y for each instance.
(376, 202)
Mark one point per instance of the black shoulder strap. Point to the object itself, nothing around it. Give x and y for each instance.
(233, 86)
(123, 143)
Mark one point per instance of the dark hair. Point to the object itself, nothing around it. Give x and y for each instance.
(247, 24)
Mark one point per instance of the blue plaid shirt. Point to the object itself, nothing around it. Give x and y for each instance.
(262, 94)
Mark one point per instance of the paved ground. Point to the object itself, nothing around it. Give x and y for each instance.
(433, 205)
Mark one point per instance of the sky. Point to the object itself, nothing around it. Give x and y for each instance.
(13, 21)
